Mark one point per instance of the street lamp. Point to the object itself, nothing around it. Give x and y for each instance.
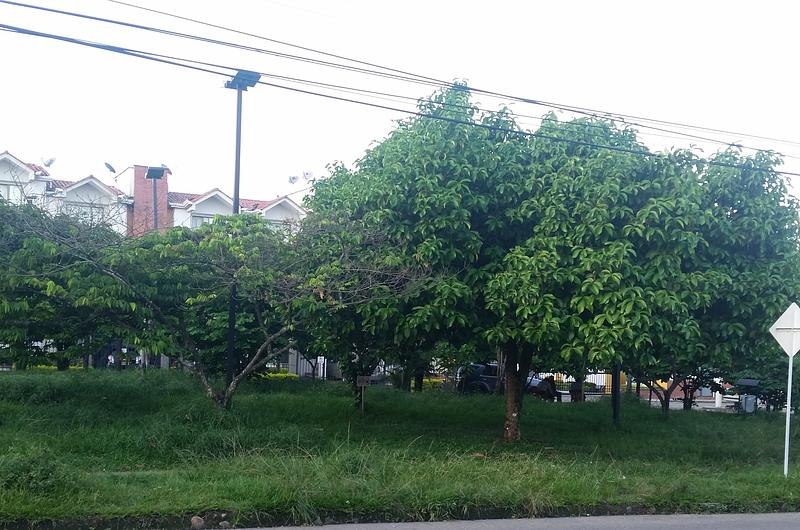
(240, 82)
(151, 173)
(154, 174)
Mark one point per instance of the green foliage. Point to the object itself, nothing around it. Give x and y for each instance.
(577, 249)
(35, 470)
(440, 192)
(42, 315)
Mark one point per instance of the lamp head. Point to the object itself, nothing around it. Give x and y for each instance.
(243, 80)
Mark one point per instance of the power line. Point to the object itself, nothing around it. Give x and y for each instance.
(275, 41)
(213, 41)
(156, 58)
(398, 75)
(208, 40)
(108, 47)
(571, 108)
(350, 89)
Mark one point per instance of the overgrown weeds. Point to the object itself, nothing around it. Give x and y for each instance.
(126, 444)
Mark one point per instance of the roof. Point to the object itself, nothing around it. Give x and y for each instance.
(179, 197)
(64, 184)
(38, 170)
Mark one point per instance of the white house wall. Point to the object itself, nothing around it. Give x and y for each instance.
(212, 206)
(182, 217)
(17, 181)
(11, 172)
(118, 218)
(88, 194)
(281, 212)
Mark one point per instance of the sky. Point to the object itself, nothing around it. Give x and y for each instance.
(727, 65)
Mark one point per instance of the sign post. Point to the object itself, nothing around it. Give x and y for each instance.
(362, 382)
(786, 331)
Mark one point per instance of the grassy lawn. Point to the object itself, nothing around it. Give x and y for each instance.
(121, 445)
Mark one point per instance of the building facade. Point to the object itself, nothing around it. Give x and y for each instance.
(129, 206)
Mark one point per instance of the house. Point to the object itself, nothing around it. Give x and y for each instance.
(174, 208)
(130, 208)
(88, 198)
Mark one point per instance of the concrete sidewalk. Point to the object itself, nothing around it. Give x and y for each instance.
(771, 521)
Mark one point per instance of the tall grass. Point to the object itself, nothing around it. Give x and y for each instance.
(130, 444)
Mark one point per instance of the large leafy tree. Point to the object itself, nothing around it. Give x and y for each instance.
(753, 240)
(40, 317)
(577, 247)
(442, 188)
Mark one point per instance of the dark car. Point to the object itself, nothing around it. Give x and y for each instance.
(482, 378)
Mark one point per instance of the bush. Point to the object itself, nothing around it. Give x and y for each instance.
(35, 470)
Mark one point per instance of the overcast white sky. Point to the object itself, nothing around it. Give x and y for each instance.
(724, 64)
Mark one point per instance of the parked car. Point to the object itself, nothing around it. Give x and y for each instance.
(482, 378)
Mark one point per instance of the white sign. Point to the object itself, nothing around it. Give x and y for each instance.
(786, 331)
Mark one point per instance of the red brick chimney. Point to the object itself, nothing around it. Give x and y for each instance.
(140, 215)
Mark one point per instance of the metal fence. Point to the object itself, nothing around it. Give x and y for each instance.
(596, 383)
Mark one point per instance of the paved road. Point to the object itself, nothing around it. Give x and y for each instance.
(770, 521)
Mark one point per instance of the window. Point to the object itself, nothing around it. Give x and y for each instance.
(86, 212)
(200, 220)
(5, 191)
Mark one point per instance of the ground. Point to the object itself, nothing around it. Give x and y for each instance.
(93, 447)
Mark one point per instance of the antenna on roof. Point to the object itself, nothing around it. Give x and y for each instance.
(293, 179)
(49, 162)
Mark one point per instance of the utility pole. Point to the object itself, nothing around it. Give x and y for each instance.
(240, 82)
(155, 206)
(154, 174)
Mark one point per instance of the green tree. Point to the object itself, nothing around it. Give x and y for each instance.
(754, 241)
(40, 320)
(442, 190)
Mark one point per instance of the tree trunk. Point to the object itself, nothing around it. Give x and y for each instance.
(667, 396)
(582, 397)
(511, 431)
(406, 380)
(688, 396)
(516, 369)
(663, 395)
(419, 377)
(356, 393)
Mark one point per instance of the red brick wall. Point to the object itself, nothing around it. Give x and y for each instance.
(141, 216)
